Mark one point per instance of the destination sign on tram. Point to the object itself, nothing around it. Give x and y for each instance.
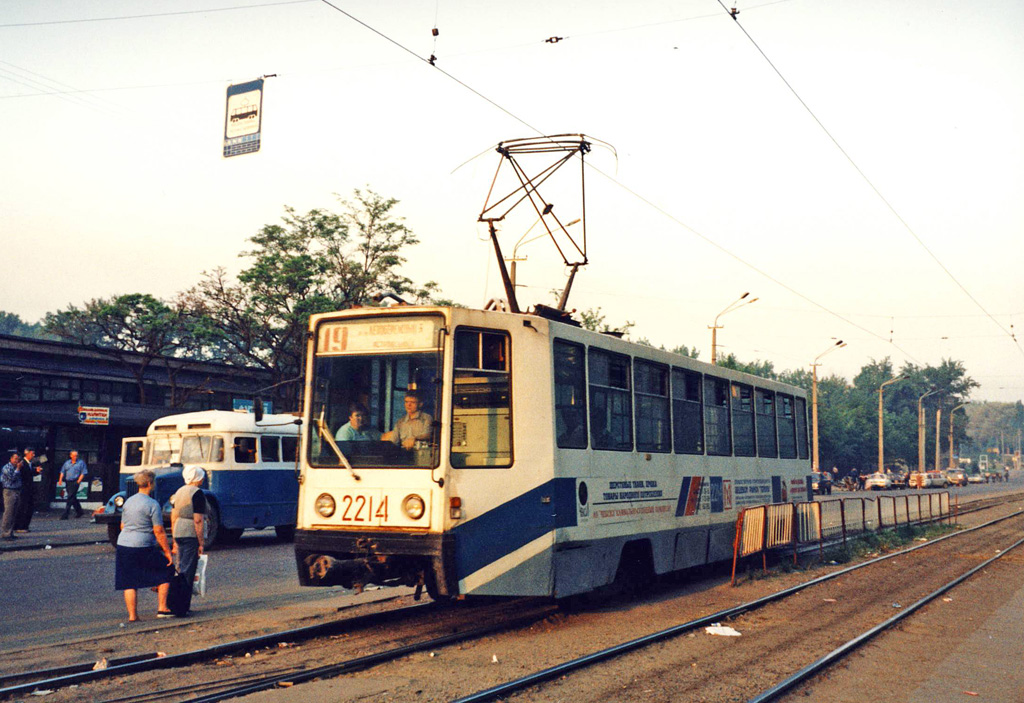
(372, 335)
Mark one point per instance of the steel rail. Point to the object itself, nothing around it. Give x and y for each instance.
(8, 679)
(330, 670)
(844, 649)
(655, 637)
(68, 676)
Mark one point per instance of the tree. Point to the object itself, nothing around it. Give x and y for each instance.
(314, 262)
(135, 329)
(11, 323)
(594, 320)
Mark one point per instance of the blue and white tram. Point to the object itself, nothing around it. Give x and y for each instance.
(549, 460)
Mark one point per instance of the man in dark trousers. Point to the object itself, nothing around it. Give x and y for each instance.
(10, 480)
(73, 473)
(27, 501)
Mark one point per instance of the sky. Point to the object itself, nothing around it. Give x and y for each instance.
(856, 167)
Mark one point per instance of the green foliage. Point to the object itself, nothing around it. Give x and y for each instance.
(11, 323)
(311, 263)
(594, 320)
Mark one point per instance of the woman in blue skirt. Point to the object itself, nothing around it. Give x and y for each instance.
(143, 554)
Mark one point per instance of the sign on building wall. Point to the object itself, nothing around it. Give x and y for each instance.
(245, 405)
(242, 118)
(89, 415)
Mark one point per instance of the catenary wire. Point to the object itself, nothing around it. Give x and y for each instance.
(154, 14)
(871, 185)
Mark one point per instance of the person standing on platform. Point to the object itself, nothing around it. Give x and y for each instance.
(72, 474)
(187, 522)
(10, 480)
(27, 500)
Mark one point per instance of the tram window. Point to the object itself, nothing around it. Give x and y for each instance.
(800, 410)
(743, 420)
(289, 448)
(686, 412)
(245, 450)
(787, 427)
(570, 396)
(716, 416)
(270, 449)
(611, 416)
(481, 400)
(764, 409)
(653, 422)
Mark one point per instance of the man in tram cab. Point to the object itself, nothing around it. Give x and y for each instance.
(414, 427)
(356, 429)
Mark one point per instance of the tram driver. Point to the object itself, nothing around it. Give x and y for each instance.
(414, 427)
(356, 429)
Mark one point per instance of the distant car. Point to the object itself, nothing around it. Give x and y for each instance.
(900, 479)
(956, 477)
(937, 479)
(821, 483)
(878, 482)
(976, 478)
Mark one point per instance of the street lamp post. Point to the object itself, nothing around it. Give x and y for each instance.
(814, 399)
(966, 402)
(881, 425)
(736, 304)
(920, 429)
(938, 437)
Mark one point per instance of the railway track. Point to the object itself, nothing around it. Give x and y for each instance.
(232, 686)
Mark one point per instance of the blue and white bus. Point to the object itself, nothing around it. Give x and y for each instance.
(251, 477)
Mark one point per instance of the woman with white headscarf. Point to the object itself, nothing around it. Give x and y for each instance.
(187, 521)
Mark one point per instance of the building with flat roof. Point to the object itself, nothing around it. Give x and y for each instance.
(56, 396)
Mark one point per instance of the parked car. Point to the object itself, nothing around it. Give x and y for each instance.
(821, 483)
(976, 478)
(956, 477)
(900, 479)
(878, 482)
(937, 479)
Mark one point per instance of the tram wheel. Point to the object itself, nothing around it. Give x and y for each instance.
(636, 569)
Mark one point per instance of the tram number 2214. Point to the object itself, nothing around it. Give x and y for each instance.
(362, 508)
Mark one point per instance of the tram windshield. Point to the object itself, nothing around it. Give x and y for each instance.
(376, 393)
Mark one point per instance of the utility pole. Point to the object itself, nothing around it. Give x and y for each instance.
(881, 425)
(938, 437)
(920, 429)
(814, 399)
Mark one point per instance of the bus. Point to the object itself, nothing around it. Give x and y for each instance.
(251, 470)
(508, 454)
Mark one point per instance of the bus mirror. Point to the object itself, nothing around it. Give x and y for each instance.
(257, 409)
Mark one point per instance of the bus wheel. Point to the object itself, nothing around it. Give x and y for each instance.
(285, 533)
(229, 535)
(211, 527)
(113, 530)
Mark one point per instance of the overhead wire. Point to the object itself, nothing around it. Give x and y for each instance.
(624, 187)
(735, 16)
(154, 14)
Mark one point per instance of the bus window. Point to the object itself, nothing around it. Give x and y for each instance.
(611, 413)
(270, 449)
(195, 450)
(132, 454)
(764, 408)
(716, 416)
(743, 420)
(653, 429)
(163, 449)
(217, 452)
(245, 450)
(289, 449)
(570, 396)
(481, 400)
(686, 412)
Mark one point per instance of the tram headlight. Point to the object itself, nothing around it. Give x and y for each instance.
(325, 505)
(118, 501)
(413, 506)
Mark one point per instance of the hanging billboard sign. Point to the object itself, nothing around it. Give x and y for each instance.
(242, 118)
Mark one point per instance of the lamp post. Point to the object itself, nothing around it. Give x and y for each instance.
(920, 429)
(814, 399)
(938, 436)
(881, 425)
(736, 304)
(966, 402)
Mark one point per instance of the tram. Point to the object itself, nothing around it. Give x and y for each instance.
(481, 452)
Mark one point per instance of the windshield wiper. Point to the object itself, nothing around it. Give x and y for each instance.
(325, 433)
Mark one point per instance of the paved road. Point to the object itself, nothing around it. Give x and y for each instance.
(68, 592)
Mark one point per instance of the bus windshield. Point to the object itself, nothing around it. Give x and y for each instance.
(376, 409)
